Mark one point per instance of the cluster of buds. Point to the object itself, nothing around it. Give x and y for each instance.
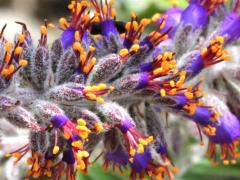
(108, 81)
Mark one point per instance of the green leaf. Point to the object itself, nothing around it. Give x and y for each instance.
(96, 172)
(204, 170)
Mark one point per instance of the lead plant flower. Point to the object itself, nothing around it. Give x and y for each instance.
(108, 81)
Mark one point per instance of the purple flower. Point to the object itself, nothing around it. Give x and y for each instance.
(201, 116)
(168, 45)
(230, 27)
(226, 134)
(119, 156)
(143, 80)
(209, 56)
(59, 121)
(106, 17)
(125, 126)
(172, 20)
(68, 157)
(227, 131)
(195, 67)
(195, 15)
(140, 161)
(67, 37)
(108, 27)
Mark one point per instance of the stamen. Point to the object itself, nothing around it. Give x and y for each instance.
(93, 93)
(134, 30)
(214, 53)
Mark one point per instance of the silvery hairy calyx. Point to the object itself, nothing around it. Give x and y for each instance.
(108, 86)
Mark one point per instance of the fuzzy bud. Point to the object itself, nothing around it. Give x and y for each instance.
(113, 113)
(66, 94)
(56, 53)
(7, 104)
(106, 68)
(45, 110)
(41, 67)
(22, 118)
(66, 67)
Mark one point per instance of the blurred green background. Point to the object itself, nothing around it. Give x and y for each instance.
(34, 11)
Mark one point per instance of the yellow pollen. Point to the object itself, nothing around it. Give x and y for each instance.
(140, 148)
(84, 3)
(135, 47)
(43, 30)
(95, 88)
(163, 92)
(158, 71)
(81, 165)
(66, 135)
(143, 142)
(172, 83)
(162, 25)
(113, 12)
(225, 162)
(91, 48)
(82, 154)
(21, 38)
(83, 128)
(84, 135)
(99, 128)
(77, 36)
(23, 62)
(93, 61)
(56, 149)
(18, 50)
(36, 167)
(132, 151)
(63, 22)
(77, 144)
(145, 22)
(183, 73)
(50, 25)
(102, 86)
(100, 100)
(156, 17)
(17, 155)
(150, 139)
(123, 52)
(105, 9)
(188, 95)
(135, 25)
(192, 109)
(87, 89)
(220, 39)
(11, 69)
(81, 122)
(8, 47)
(78, 47)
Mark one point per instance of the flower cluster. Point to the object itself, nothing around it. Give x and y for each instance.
(108, 81)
